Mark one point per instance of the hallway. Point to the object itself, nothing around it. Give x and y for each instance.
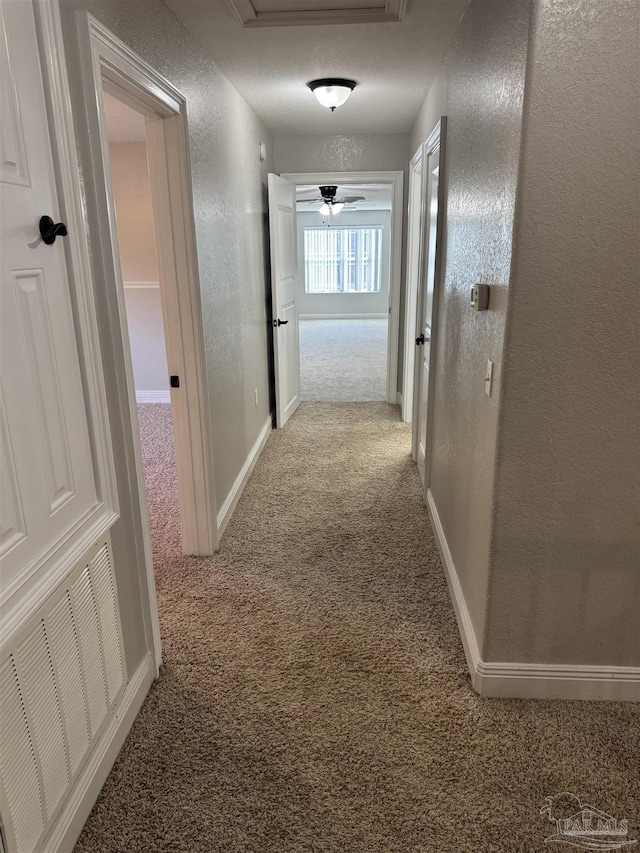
(315, 695)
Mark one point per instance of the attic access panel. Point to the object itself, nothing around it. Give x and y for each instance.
(289, 13)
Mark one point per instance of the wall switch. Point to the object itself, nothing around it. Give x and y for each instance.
(480, 297)
(255, 395)
(488, 378)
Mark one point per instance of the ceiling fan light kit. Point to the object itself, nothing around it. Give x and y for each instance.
(331, 204)
(332, 92)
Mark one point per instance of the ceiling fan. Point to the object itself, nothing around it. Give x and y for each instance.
(332, 204)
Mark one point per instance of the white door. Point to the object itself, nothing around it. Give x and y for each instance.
(284, 281)
(415, 226)
(46, 469)
(425, 314)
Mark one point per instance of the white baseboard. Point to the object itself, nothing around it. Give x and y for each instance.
(227, 508)
(343, 316)
(530, 680)
(153, 396)
(73, 816)
(399, 398)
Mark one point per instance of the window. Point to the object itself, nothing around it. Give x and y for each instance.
(342, 260)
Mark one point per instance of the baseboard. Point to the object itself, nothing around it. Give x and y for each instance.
(153, 396)
(343, 316)
(512, 680)
(227, 508)
(73, 816)
(399, 399)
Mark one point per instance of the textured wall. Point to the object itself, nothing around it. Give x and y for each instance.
(355, 153)
(346, 303)
(566, 562)
(480, 88)
(229, 191)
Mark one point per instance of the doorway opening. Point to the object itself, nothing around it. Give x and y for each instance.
(144, 304)
(343, 292)
(113, 72)
(427, 297)
(347, 290)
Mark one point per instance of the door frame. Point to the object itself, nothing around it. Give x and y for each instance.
(437, 138)
(396, 180)
(108, 62)
(413, 276)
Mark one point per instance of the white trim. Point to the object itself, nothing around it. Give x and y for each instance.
(512, 680)
(110, 64)
(413, 278)
(399, 399)
(231, 501)
(153, 396)
(343, 316)
(141, 285)
(395, 250)
(76, 810)
(465, 625)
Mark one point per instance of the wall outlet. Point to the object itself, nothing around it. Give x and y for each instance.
(255, 395)
(488, 378)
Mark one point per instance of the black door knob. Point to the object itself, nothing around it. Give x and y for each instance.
(420, 339)
(49, 230)
(280, 322)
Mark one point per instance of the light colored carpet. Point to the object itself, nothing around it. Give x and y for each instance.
(315, 697)
(343, 360)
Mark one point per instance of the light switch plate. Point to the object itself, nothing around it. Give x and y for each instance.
(488, 378)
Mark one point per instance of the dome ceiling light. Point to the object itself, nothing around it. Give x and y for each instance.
(332, 92)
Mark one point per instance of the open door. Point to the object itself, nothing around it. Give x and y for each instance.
(428, 300)
(284, 283)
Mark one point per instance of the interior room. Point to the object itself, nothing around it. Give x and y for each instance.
(343, 298)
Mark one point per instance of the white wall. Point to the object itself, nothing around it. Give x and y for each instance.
(136, 241)
(148, 350)
(355, 304)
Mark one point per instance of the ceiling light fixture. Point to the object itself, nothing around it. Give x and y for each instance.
(332, 92)
(330, 209)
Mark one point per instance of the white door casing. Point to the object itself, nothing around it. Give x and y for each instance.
(428, 296)
(54, 484)
(413, 278)
(284, 276)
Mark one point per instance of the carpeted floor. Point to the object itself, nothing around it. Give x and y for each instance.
(315, 695)
(343, 360)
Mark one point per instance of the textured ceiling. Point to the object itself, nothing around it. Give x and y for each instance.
(393, 64)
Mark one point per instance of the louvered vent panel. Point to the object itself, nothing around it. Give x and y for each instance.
(107, 606)
(65, 653)
(85, 617)
(60, 676)
(37, 683)
(18, 768)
